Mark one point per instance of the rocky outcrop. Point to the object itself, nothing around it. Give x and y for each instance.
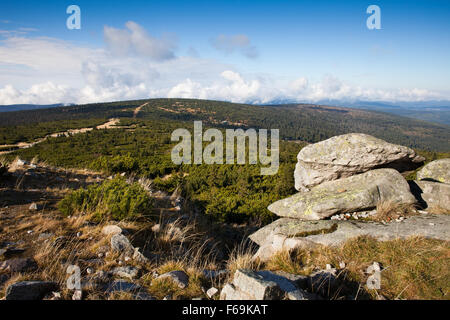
(288, 234)
(438, 171)
(349, 154)
(342, 177)
(436, 195)
(359, 192)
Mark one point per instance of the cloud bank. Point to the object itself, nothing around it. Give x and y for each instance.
(135, 65)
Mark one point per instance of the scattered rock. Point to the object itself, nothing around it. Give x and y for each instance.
(359, 192)
(438, 171)
(179, 277)
(126, 272)
(249, 285)
(213, 274)
(19, 265)
(139, 257)
(111, 230)
(121, 244)
(77, 295)
(211, 292)
(30, 290)
(287, 286)
(156, 228)
(349, 154)
(45, 236)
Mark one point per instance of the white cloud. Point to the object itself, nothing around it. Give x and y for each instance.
(45, 70)
(229, 44)
(134, 39)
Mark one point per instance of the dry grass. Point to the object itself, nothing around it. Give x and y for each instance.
(438, 210)
(388, 211)
(414, 268)
(241, 257)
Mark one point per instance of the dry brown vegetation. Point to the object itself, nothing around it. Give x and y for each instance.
(414, 268)
(389, 211)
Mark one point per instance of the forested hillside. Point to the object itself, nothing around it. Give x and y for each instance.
(310, 123)
(141, 145)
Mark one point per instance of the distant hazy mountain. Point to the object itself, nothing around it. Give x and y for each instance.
(434, 111)
(20, 107)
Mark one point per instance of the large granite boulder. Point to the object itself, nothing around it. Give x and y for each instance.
(355, 193)
(286, 234)
(349, 154)
(436, 195)
(438, 171)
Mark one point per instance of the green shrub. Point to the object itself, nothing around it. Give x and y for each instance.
(113, 199)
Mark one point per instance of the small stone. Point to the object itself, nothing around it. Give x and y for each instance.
(79, 234)
(212, 292)
(77, 295)
(342, 265)
(89, 270)
(139, 257)
(111, 230)
(121, 244)
(45, 236)
(56, 296)
(126, 272)
(30, 231)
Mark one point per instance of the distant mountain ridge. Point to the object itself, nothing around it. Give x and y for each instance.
(21, 107)
(434, 110)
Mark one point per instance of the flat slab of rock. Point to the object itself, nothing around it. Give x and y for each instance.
(360, 192)
(287, 234)
(349, 154)
(249, 285)
(30, 290)
(436, 195)
(438, 171)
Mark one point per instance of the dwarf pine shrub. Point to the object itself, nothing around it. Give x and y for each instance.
(113, 199)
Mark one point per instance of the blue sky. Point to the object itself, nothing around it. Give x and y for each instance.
(245, 51)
